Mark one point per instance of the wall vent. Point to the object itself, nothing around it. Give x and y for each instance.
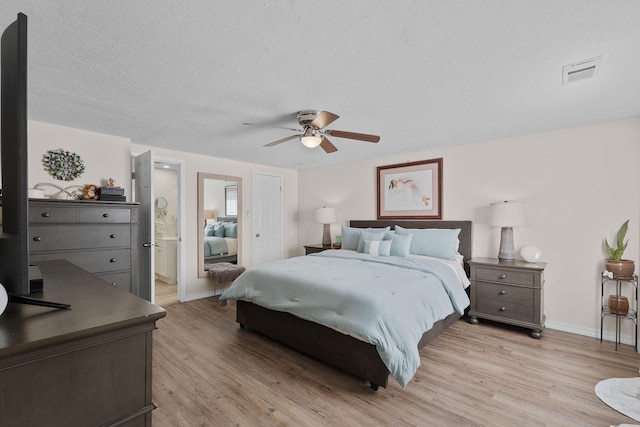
(581, 70)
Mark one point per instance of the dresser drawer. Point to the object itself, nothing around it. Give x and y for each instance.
(517, 277)
(104, 214)
(510, 302)
(121, 280)
(64, 237)
(102, 261)
(52, 215)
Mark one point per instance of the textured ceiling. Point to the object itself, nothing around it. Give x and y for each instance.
(185, 74)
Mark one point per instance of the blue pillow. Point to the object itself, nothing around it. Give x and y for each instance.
(218, 230)
(435, 242)
(351, 236)
(371, 236)
(230, 229)
(377, 247)
(401, 244)
(211, 227)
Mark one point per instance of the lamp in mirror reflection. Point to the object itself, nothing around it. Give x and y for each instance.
(325, 216)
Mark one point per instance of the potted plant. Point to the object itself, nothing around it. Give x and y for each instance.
(615, 264)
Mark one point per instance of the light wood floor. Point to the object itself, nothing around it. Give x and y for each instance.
(166, 293)
(209, 372)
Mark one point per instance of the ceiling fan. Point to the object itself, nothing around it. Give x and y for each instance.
(312, 134)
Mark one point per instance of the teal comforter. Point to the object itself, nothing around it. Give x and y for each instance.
(386, 301)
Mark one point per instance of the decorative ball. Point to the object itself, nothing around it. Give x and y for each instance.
(4, 299)
(531, 253)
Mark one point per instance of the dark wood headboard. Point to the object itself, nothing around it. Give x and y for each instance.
(465, 237)
(227, 218)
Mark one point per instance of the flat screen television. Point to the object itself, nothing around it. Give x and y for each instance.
(14, 238)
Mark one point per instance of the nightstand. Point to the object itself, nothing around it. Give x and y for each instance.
(312, 249)
(508, 292)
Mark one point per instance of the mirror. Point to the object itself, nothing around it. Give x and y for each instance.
(219, 223)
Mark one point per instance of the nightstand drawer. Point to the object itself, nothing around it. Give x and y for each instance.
(510, 302)
(516, 277)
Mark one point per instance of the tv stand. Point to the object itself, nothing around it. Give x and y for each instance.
(88, 366)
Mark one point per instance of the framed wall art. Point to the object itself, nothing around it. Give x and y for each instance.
(410, 190)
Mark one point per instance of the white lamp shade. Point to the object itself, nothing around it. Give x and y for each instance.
(325, 215)
(507, 214)
(311, 141)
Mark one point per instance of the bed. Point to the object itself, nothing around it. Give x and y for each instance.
(340, 346)
(221, 241)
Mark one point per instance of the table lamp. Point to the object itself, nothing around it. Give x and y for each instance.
(506, 215)
(326, 216)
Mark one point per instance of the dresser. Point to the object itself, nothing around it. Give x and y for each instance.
(100, 237)
(511, 293)
(87, 366)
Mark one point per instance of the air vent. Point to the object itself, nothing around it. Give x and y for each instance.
(581, 70)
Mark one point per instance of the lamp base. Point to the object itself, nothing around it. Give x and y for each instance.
(507, 251)
(326, 236)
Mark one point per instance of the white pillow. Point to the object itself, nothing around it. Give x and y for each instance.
(377, 247)
(370, 235)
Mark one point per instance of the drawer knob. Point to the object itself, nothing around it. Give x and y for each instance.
(112, 260)
(114, 283)
(503, 308)
(37, 239)
(502, 292)
(105, 215)
(46, 214)
(502, 276)
(113, 236)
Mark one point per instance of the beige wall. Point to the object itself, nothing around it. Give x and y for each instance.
(104, 156)
(578, 185)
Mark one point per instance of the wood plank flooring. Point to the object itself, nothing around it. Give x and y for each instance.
(166, 293)
(209, 372)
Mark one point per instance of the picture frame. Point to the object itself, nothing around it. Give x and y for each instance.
(410, 190)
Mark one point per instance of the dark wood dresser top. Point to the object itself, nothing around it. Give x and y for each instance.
(96, 307)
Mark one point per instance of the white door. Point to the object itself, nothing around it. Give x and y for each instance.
(143, 166)
(267, 218)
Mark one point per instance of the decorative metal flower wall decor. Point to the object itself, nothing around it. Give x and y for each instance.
(62, 164)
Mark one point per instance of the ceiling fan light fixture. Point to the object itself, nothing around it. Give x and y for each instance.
(310, 139)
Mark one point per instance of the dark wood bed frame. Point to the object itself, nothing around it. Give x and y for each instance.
(330, 346)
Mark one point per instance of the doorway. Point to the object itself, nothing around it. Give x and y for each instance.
(166, 231)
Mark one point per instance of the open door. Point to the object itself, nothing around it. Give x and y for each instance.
(143, 165)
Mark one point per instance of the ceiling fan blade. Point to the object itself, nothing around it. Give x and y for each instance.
(353, 135)
(280, 141)
(273, 127)
(327, 145)
(325, 118)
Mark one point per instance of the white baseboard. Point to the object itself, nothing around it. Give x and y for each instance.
(201, 295)
(594, 333)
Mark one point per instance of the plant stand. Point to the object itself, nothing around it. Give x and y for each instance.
(632, 314)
